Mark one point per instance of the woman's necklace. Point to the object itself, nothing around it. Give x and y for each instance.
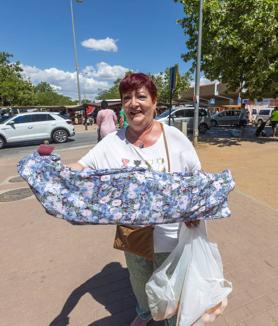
(143, 140)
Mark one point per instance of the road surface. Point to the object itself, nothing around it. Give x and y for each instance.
(84, 139)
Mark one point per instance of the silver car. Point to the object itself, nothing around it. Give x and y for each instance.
(225, 118)
(186, 114)
(35, 126)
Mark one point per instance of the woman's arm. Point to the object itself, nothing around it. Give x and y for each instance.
(75, 166)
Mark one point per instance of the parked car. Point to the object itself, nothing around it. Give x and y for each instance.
(35, 126)
(226, 118)
(186, 114)
(263, 115)
(4, 117)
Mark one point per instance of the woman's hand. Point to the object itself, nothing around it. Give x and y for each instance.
(192, 224)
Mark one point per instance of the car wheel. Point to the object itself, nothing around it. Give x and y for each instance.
(203, 128)
(2, 142)
(60, 136)
(213, 123)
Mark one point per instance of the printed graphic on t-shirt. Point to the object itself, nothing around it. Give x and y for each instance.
(155, 164)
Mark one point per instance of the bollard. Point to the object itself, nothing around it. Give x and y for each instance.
(184, 127)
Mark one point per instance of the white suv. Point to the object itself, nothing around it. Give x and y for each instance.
(35, 126)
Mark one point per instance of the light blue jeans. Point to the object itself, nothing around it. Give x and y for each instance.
(140, 270)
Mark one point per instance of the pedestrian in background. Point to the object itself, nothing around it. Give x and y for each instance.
(243, 117)
(274, 120)
(123, 119)
(106, 121)
(94, 114)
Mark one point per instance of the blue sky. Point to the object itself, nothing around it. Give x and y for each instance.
(112, 36)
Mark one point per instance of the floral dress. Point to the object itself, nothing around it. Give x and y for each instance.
(130, 196)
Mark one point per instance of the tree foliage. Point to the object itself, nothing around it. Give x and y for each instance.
(239, 44)
(15, 90)
(45, 95)
(111, 93)
(161, 80)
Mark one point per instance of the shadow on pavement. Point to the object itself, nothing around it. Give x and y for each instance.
(234, 136)
(224, 142)
(112, 289)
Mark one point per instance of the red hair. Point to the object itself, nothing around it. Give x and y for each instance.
(135, 81)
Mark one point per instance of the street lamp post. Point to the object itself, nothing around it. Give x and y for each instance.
(75, 53)
(84, 99)
(197, 78)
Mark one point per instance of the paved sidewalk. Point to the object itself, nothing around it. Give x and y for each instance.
(53, 273)
(249, 246)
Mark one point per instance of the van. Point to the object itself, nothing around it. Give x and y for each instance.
(263, 115)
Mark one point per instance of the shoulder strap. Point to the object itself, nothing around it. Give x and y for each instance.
(166, 147)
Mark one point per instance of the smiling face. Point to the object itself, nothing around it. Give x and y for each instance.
(139, 108)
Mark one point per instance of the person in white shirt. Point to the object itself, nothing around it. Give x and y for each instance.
(144, 143)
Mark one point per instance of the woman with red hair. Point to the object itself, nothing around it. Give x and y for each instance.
(149, 144)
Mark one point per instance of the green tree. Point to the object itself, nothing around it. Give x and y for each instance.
(14, 89)
(85, 101)
(43, 87)
(111, 93)
(46, 95)
(162, 82)
(239, 45)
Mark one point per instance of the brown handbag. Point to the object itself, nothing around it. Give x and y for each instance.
(138, 240)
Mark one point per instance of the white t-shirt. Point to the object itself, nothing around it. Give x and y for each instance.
(115, 151)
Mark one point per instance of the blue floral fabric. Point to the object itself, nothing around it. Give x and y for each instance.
(130, 196)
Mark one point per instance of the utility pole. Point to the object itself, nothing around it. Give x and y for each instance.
(172, 86)
(197, 78)
(75, 53)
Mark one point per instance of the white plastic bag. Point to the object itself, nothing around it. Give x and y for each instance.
(204, 285)
(190, 281)
(165, 285)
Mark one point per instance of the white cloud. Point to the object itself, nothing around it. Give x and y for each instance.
(108, 44)
(56, 88)
(92, 79)
(105, 71)
(203, 81)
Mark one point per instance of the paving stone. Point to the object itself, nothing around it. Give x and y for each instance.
(16, 179)
(273, 312)
(237, 316)
(260, 305)
(15, 194)
(238, 300)
(263, 319)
